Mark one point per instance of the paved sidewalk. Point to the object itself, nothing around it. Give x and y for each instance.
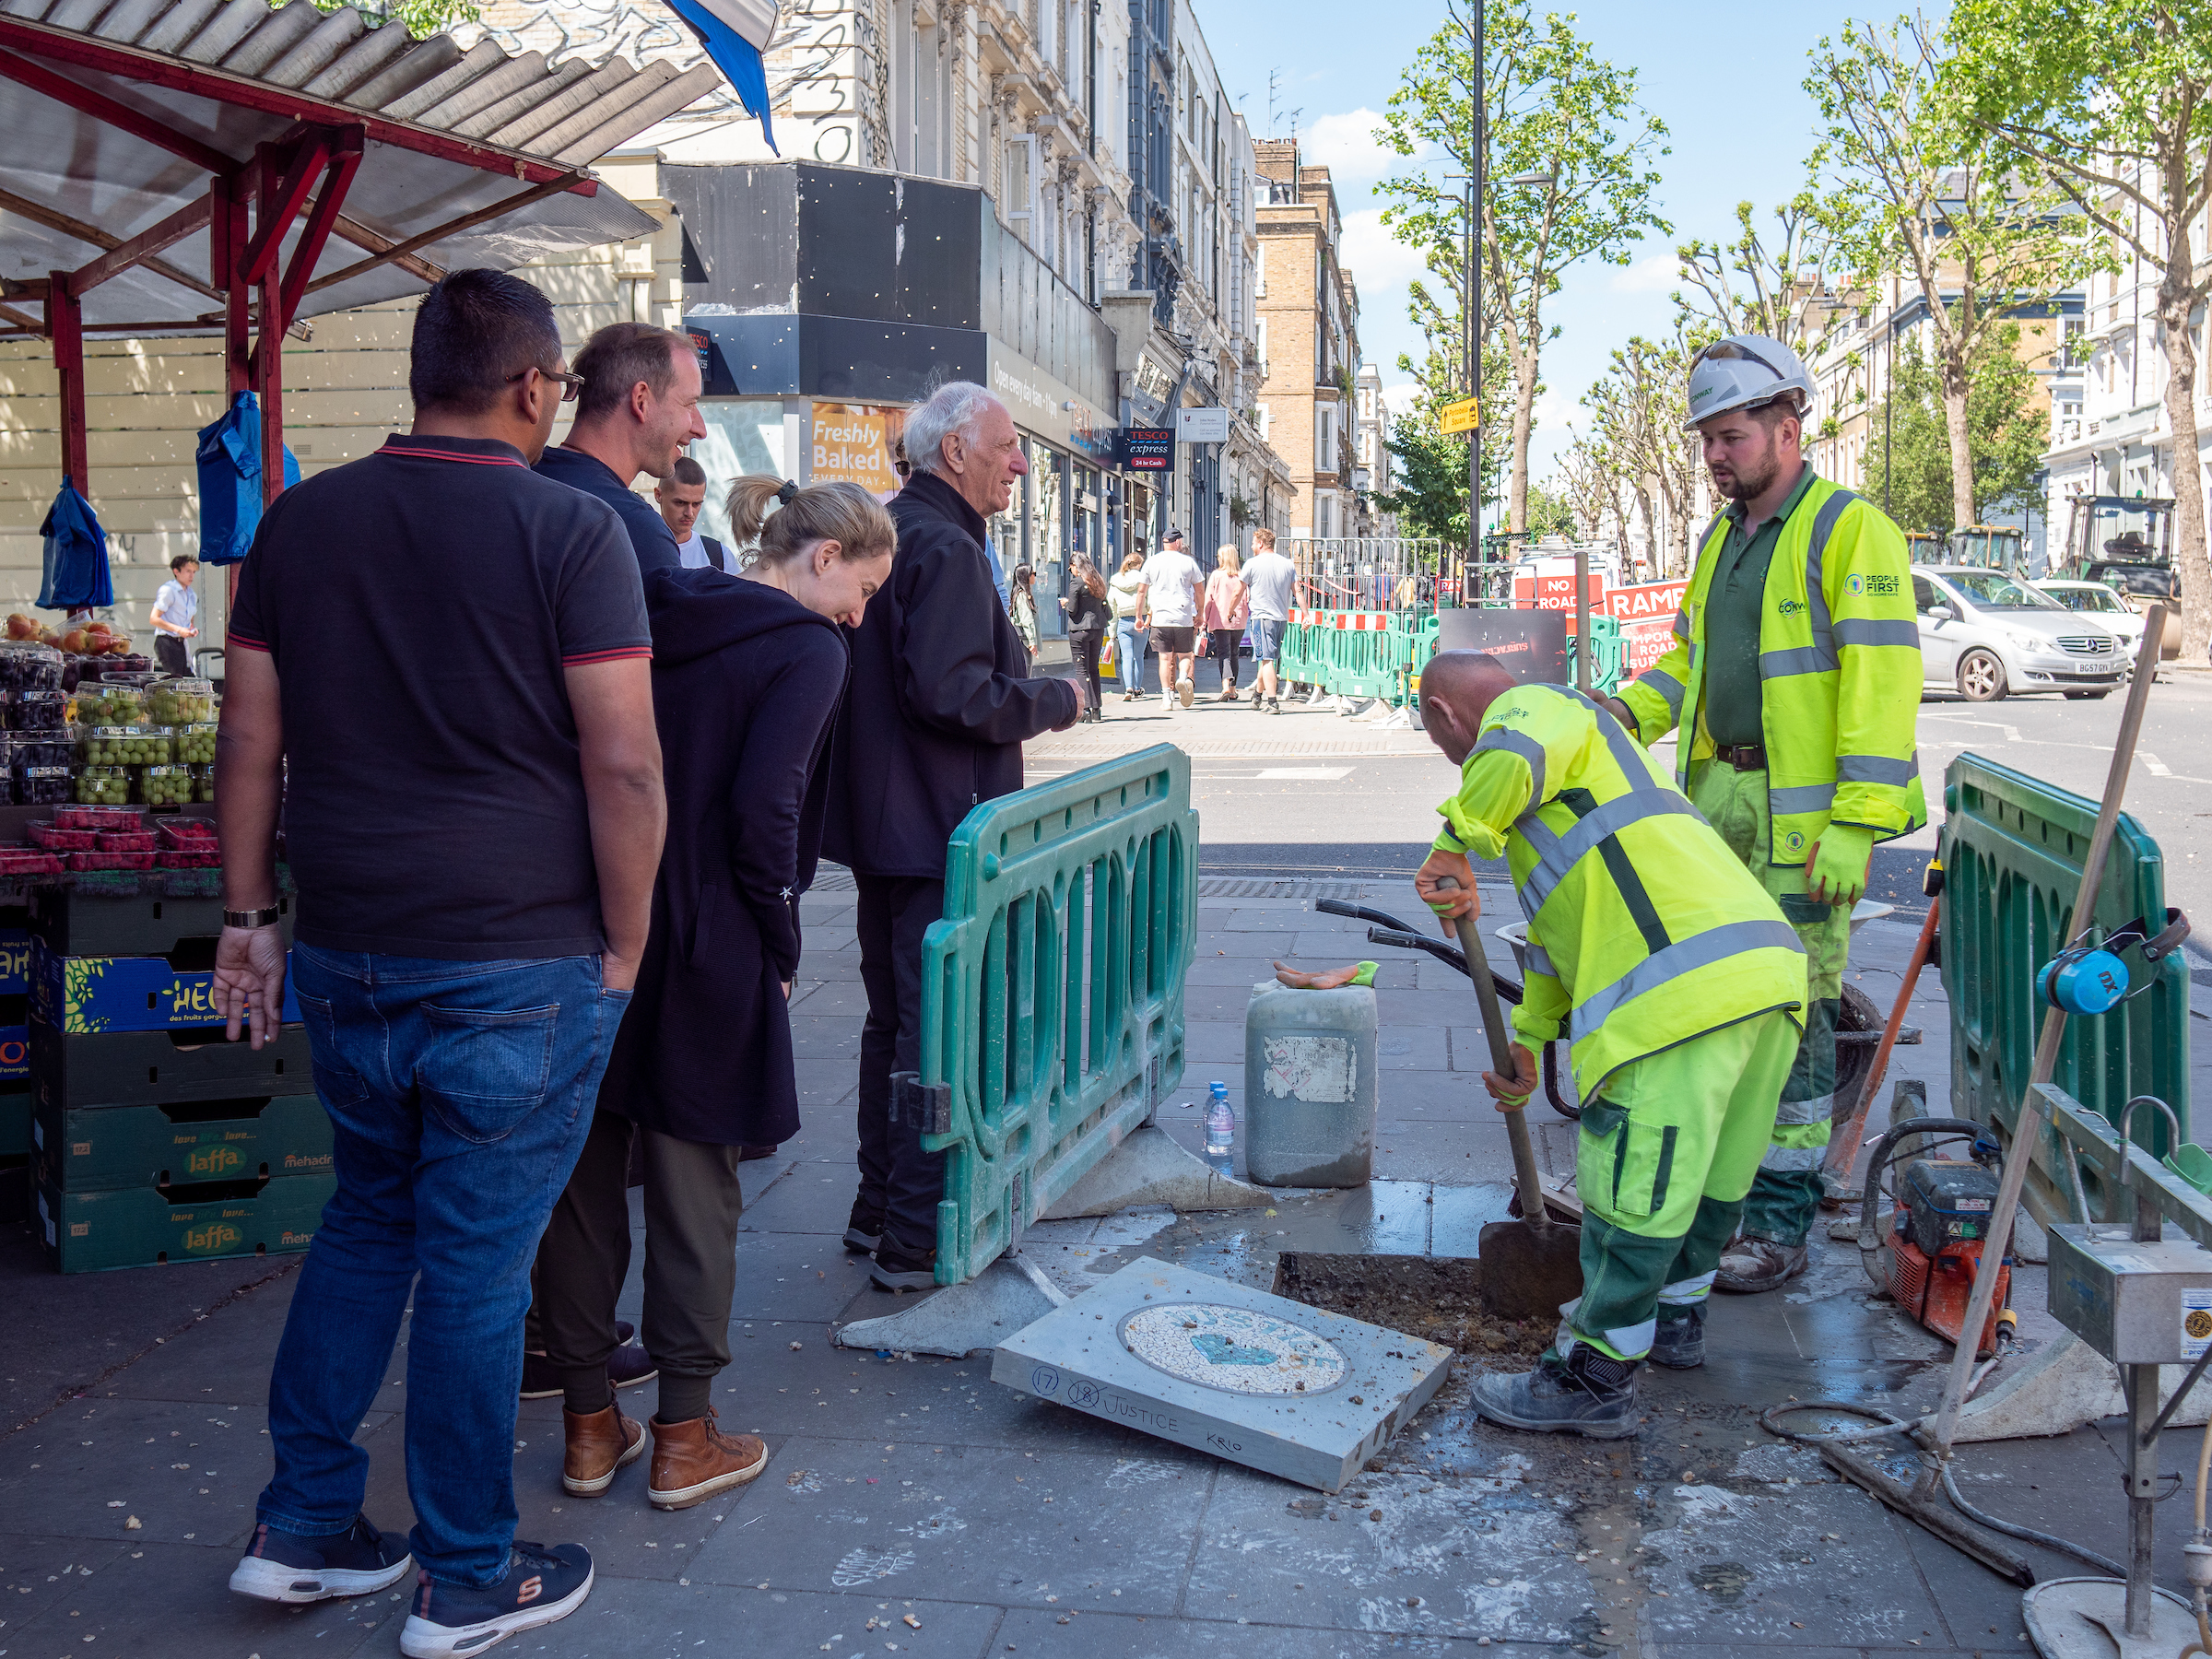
(1001, 1525)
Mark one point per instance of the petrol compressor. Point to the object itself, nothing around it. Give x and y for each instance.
(1927, 1261)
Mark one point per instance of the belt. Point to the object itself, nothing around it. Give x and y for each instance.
(1744, 757)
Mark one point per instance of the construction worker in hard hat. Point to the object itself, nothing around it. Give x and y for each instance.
(1681, 988)
(1795, 679)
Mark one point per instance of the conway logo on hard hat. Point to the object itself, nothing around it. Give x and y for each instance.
(1745, 372)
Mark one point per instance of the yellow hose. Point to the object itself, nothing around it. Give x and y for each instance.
(2197, 1601)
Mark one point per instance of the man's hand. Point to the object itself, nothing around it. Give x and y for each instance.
(248, 981)
(1448, 906)
(1512, 1093)
(1082, 701)
(1621, 711)
(619, 973)
(1836, 873)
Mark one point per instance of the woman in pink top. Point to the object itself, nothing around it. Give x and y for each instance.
(1227, 609)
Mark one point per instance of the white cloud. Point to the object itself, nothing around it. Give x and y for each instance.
(1348, 146)
(1380, 265)
(1653, 274)
(1400, 398)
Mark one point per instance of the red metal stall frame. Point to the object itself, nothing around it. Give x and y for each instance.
(248, 209)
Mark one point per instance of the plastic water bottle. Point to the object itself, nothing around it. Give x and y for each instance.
(1220, 1130)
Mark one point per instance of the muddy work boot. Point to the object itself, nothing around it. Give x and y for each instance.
(1588, 1394)
(1679, 1343)
(1750, 1265)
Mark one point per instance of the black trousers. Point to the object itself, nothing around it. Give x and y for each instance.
(1223, 644)
(1086, 649)
(174, 659)
(692, 1204)
(898, 1178)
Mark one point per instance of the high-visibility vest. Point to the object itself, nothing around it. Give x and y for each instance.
(1838, 669)
(1655, 932)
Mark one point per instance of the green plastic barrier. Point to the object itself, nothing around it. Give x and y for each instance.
(2012, 848)
(1608, 655)
(1051, 996)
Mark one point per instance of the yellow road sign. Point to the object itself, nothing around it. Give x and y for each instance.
(1464, 416)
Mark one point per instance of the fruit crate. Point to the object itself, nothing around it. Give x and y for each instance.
(14, 1119)
(100, 924)
(163, 1068)
(101, 1148)
(88, 994)
(88, 1232)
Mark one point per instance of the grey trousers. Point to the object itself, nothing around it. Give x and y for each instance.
(692, 1204)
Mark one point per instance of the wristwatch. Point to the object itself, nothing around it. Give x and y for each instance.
(253, 918)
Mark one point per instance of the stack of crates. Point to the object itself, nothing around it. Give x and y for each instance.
(153, 1140)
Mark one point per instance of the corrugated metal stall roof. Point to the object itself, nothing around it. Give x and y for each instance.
(114, 112)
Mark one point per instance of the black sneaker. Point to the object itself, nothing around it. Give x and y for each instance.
(626, 1368)
(284, 1567)
(897, 1270)
(543, 1583)
(863, 1228)
(1680, 1344)
(1588, 1394)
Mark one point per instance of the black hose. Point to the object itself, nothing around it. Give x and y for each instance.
(2013, 1529)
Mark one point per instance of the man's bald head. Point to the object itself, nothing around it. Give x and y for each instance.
(1457, 689)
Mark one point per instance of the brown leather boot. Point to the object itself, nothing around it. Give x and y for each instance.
(599, 1442)
(694, 1460)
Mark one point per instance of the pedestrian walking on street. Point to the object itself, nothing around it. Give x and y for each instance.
(940, 705)
(473, 835)
(1795, 679)
(1227, 609)
(746, 677)
(1171, 583)
(682, 496)
(637, 391)
(176, 615)
(1270, 580)
(1678, 985)
(1087, 616)
(1131, 626)
(1022, 607)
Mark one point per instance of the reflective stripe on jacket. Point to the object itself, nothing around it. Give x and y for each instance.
(1643, 929)
(1838, 667)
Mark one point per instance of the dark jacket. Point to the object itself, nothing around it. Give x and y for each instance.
(650, 536)
(941, 699)
(745, 682)
(1086, 614)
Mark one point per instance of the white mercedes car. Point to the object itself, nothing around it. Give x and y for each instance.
(1986, 635)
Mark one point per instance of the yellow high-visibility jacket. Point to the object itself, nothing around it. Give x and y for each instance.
(1839, 675)
(1643, 929)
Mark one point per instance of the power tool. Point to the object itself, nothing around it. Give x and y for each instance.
(1927, 1263)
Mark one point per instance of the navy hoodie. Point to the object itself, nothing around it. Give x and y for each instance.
(746, 687)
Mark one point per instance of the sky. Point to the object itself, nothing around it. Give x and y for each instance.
(1727, 78)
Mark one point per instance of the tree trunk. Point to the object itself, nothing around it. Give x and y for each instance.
(1526, 365)
(1952, 376)
(2175, 303)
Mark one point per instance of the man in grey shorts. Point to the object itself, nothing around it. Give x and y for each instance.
(1270, 577)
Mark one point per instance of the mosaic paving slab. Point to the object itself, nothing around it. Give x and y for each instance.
(1295, 1391)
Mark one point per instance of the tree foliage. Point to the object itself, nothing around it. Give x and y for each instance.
(1431, 476)
(1639, 411)
(1756, 284)
(1909, 453)
(1552, 107)
(422, 18)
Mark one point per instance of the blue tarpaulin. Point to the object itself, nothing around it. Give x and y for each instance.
(735, 34)
(77, 555)
(229, 464)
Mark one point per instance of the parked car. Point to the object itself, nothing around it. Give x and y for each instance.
(2100, 602)
(1985, 635)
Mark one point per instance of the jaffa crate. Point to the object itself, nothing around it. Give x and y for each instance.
(99, 1148)
(139, 1227)
(162, 1068)
(70, 923)
(83, 994)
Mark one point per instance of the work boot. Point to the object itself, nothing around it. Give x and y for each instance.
(1588, 1394)
(864, 1228)
(1679, 1343)
(1749, 1265)
(897, 1269)
(694, 1460)
(599, 1442)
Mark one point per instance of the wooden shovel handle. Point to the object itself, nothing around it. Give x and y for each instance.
(1525, 1177)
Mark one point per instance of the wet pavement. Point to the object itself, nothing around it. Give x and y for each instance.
(913, 1507)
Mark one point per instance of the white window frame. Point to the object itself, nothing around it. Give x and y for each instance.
(1021, 205)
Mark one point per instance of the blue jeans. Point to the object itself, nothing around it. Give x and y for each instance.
(461, 1094)
(1129, 642)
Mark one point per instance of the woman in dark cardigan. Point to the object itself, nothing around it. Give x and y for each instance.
(747, 672)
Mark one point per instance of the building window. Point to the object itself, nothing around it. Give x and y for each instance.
(1021, 185)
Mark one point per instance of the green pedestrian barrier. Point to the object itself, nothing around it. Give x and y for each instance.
(2012, 848)
(1053, 991)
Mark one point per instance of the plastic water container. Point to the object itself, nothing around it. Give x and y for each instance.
(1311, 1073)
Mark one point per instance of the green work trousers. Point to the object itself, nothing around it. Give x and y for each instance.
(1667, 1150)
(1786, 1195)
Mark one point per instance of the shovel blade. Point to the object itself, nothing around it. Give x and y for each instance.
(1527, 1274)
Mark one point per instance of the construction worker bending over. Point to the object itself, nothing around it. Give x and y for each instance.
(1680, 985)
(1794, 679)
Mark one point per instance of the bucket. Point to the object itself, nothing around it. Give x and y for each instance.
(1312, 1077)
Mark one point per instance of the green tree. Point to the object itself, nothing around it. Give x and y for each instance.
(2111, 101)
(422, 18)
(1550, 512)
(1910, 453)
(1552, 108)
(1639, 411)
(1759, 283)
(1905, 193)
(1431, 474)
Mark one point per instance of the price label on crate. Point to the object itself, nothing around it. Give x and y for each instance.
(2196, 1324)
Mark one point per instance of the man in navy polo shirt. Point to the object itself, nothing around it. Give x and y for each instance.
(638, 408)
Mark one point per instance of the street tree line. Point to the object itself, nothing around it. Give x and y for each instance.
(1964, 170)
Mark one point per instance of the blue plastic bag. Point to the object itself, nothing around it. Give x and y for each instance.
(76, 556)
(230, 466)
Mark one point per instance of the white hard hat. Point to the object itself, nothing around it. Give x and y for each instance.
(1745, 372)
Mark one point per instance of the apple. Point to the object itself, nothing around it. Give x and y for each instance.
(74, 641)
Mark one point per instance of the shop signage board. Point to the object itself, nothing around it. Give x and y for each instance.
(1049, 408)
(1146, 449)
(852, 443)
(1202, 426)
(1646, 615)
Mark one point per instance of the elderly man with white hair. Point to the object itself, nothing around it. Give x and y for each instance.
(940, 704)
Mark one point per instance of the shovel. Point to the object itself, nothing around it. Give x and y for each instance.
(1530, 1266)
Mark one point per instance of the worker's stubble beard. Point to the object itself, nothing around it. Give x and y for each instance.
(1749, 485)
